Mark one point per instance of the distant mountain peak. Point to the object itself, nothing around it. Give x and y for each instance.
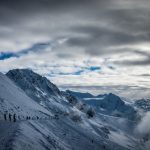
(114, 97)
(80, 94)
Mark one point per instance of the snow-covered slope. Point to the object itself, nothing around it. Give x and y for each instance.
(14, 100)
(33, 84)
(72, 128)
(39, 88)
(65, 134)
(87, 135)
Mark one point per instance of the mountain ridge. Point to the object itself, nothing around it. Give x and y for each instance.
(74, 121)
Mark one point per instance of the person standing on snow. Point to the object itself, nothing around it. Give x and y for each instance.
(5, 117)
(9, 117)
(14, 117)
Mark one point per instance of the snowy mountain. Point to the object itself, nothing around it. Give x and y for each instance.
(86, 96)
(27, 79)
(109, 104)
(65, 122)
(112, 104)
(80, 95)
(39, 88)
(13, 100)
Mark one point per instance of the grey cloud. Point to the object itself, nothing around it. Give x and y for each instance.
(124, 24)
(17, 12)
(123, 27)
(26, 8)
(93, 28)
(98, 40)
(64, 55)
(132, 92)
(145, 75)
(138, 63)
(141, 62)
(101, 35)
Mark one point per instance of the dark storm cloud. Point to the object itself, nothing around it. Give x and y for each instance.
(15, 12)
(108, 23)
(101, 36)
(26, 7)
(127, 26)
(38, 18)
(124, 27)
(98, 40)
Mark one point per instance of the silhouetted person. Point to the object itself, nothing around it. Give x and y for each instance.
(23, 117)
(9, 117)
(5, 117)
(56, 116)
(14, 117)
(104, 146)
(146, 138)
(27, 118)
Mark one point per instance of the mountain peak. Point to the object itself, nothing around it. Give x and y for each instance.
(25, 72)
(114, 99)
(81, 95)
(27, 79)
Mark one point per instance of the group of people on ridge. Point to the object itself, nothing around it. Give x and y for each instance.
(10, 117)
(14, 117)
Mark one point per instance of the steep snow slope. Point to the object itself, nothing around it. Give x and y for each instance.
(28, 80)
(7, 134)
(14, 100)
(64, 134)
(39, 88)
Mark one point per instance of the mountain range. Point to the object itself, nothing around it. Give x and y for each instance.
(48, 118)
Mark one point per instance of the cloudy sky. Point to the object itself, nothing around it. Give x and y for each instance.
(95, 45)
